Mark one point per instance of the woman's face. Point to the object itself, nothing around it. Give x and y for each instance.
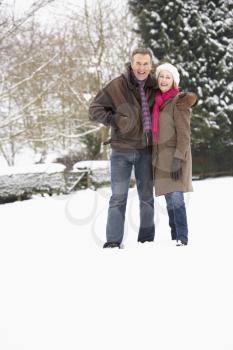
(165, 80)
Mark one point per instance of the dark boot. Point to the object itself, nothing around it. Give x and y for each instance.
(180, 243)
(111, 245)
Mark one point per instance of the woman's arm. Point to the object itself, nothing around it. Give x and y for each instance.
(182, 116)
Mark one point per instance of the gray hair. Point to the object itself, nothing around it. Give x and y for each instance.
(141, 51)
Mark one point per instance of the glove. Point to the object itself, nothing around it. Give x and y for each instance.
(176, 169)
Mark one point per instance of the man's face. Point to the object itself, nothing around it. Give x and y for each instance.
(141, 66)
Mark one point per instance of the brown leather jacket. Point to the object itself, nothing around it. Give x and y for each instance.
(118, 105)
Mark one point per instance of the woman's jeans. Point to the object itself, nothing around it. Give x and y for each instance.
(121, 168)
(177, 216)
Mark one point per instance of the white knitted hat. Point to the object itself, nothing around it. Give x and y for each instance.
(171, 69)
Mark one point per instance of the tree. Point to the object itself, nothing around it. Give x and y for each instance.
(48, 76)
(10, 24)
(12, 64)
(196, 36)
(105, 48)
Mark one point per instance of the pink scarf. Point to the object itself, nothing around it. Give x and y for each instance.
(160, 98)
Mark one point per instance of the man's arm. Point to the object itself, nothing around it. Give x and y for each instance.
(102, 109)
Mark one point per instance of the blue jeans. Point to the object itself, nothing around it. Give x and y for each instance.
(122, 164)
(177, 216)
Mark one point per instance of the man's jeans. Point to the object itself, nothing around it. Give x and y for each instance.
(121, 168)
(177, 216)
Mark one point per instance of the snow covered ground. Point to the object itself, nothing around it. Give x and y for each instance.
(60, 290)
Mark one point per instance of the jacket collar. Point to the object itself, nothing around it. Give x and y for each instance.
(168, 101)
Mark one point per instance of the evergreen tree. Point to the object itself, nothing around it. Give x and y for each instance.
(196, 36)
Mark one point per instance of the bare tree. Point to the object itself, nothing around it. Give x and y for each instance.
(48, 76)
(104, 38)
(10, 24)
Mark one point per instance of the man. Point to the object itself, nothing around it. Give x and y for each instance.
(125, 104)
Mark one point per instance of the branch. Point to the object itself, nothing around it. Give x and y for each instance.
(42, 139)
(9, 138)
(75, 94)
(88, 27)
(28, 78)
(82, 134)
(12, 119)
(36, 5)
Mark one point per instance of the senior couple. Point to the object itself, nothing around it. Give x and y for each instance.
(150, 131)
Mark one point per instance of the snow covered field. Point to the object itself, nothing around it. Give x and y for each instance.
(60, 290)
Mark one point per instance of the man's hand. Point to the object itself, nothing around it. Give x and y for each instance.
(176, 169)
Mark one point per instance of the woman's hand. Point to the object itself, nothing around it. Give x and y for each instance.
(176, 169)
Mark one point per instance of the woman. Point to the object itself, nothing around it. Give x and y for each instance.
(172, 160)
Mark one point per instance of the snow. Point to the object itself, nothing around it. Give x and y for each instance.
(230, 107)
(33, 169)
(87, 96)
(25, 156)
(3, 162)
(61, 290)
(199, 91)
(230, 86)
(90, 164)
(155, 15)
(100, 170)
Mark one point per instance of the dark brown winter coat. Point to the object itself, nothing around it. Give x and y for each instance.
(118, 105)
(174, 141)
